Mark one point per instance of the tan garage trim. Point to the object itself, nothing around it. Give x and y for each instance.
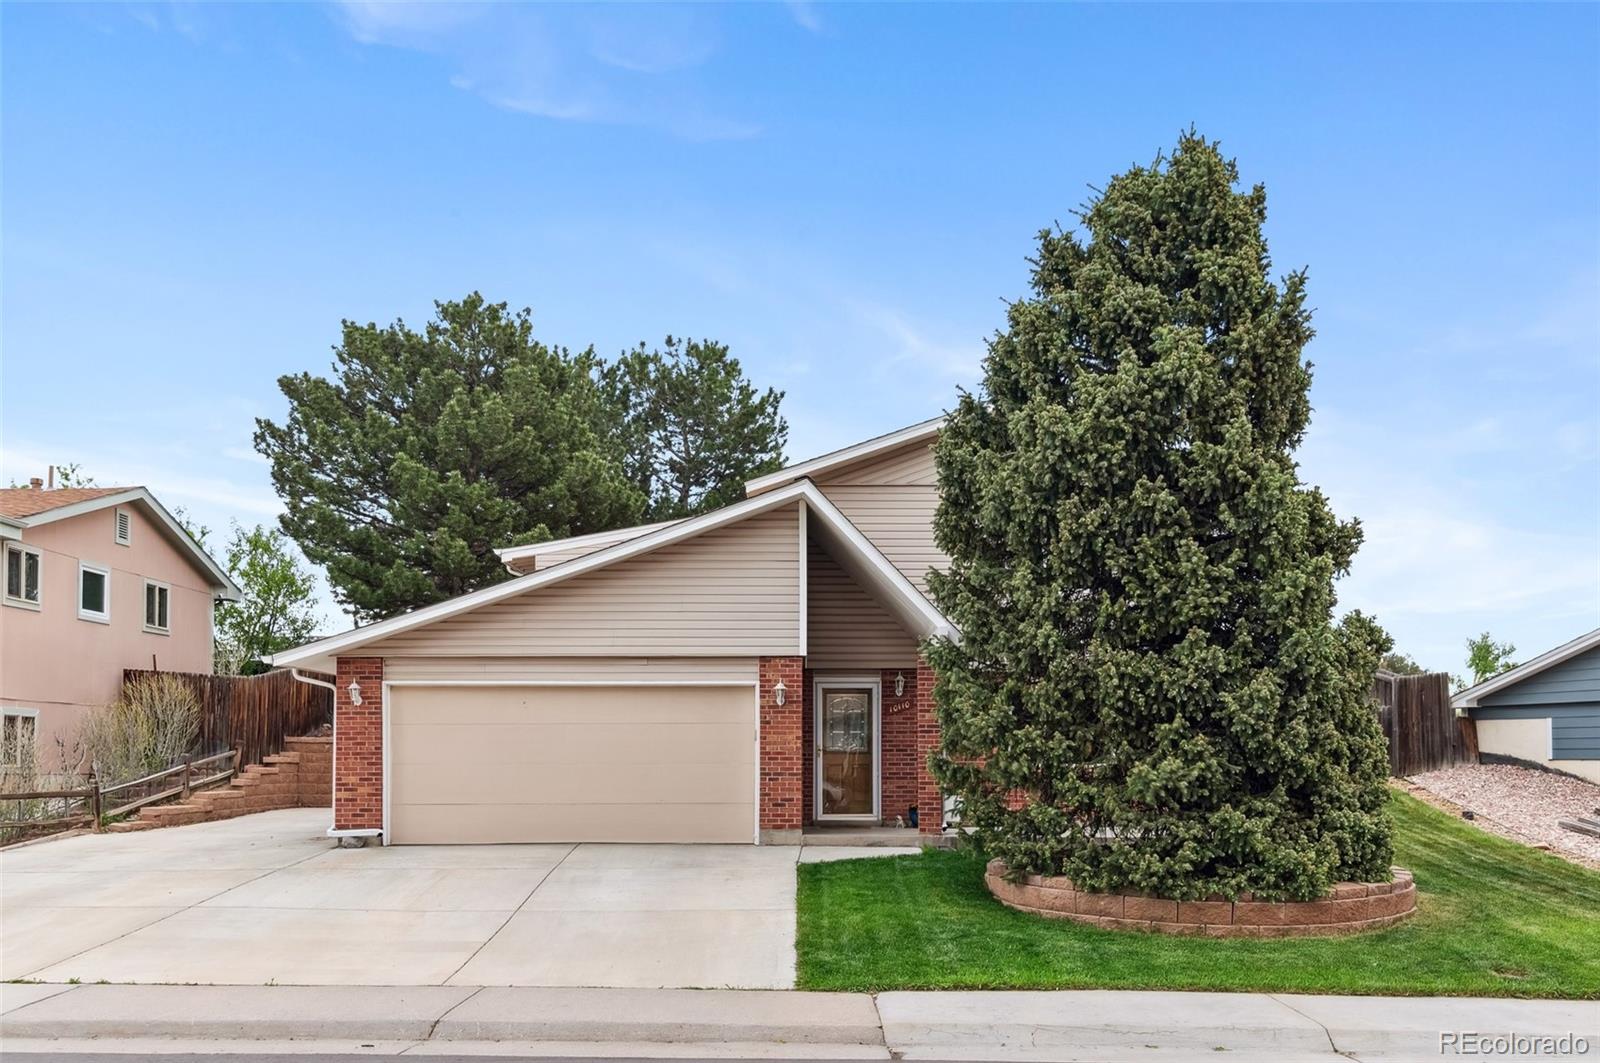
(574, 671)
(541, 762)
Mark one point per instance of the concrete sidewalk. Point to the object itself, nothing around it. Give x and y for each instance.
(1099, 1025)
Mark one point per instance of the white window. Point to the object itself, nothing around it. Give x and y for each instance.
(17, 736)
(124, 527)
(94, 593)
(157, 601)
(22, 576)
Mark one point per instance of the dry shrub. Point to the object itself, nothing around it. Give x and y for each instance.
(150, 727)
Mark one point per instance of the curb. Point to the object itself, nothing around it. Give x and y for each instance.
(1094, 1024)
(670, 1016)
(437, 1014)
(1199, 1023)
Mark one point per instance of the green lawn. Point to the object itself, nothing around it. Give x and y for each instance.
(1494, 918)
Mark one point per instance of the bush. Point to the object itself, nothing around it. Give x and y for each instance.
(152, 725)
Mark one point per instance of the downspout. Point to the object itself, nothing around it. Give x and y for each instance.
(332, 833)
(318, 683)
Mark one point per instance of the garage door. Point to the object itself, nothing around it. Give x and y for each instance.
(568, 764)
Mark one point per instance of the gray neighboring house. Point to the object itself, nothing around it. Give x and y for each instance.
(1546, 711)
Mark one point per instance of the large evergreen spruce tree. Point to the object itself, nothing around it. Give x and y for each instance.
(1149, 692)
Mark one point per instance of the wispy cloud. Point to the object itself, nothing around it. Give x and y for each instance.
(907, 342)
(171, 482)
(805, 15)
(1449, 548)
(638, 66)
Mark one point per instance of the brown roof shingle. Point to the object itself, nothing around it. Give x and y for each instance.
(28, 502)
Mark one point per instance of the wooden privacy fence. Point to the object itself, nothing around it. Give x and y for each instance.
(254, 713)
(1423, 731)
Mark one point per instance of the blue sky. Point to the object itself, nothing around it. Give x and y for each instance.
(195, 195)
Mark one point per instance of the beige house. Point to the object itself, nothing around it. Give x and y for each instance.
(738, 676)
(96, 579)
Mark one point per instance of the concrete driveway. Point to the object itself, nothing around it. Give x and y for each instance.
(268, 899)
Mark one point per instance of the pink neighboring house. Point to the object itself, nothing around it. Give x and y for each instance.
(95, 580)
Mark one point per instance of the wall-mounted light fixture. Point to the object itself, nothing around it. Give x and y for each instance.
(355, 692)
(780, 691)
(899, 684)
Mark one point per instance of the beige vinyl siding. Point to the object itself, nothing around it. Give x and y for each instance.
(898, 521)
(551, 558)
(486, 764)
(846, 627)
(910, 464)
(732, 591)
(891, 498)
(589, 544)
(571, 669)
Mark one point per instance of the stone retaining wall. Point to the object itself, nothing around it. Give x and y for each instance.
(1349, 908)
(299, 777)
(314, 779)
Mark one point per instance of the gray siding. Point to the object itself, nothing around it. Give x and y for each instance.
(1567, 694)
(1575, 681)
(1575, 736)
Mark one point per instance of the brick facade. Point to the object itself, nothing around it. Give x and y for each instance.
(901, 765)
(808, 750)
(910, 732)
(358, 746)
(783, 760)
(930, 800)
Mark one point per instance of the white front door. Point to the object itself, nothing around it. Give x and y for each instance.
(847, 749)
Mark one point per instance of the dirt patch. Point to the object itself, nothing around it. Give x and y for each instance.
(1523, 804)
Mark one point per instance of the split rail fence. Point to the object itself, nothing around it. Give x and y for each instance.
(244, 718)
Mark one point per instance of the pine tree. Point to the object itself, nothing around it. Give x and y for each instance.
(428, 450)
(1149, 692)
(693, 428)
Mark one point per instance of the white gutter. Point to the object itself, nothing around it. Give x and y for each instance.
(313, 682)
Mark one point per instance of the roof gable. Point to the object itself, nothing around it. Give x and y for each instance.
(93, 499)
(730, 591)
(33, 501)
(1473, 696)
(820, 468)
(870, 567)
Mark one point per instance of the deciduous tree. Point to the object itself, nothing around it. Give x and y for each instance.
(278, 607)
(1488, 658)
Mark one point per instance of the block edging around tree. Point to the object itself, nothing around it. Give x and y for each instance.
(1348, 908)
